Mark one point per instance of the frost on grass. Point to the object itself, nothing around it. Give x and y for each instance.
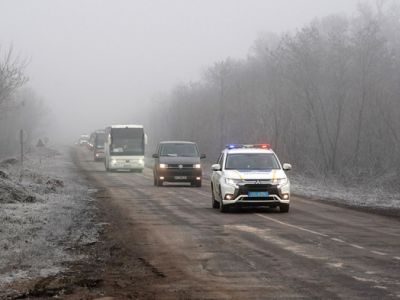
(44, 211)
(373, 194)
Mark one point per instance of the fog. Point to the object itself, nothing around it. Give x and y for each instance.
(100, 62)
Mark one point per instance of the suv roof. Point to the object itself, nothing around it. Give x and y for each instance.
(248, 150)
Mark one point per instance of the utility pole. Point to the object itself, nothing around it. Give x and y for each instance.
(21, 139)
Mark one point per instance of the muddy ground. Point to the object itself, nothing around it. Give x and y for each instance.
(168, 243)
(108, 266)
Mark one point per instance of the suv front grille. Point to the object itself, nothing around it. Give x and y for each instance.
(246, 188)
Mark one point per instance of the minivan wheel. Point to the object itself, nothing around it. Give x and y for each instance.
(284, 207)
(159, 182)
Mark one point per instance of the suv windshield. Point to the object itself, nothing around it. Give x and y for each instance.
(251, 161)
(176, 149)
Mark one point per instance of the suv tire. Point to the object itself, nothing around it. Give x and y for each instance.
(222, 208)
(284, 207)
(215, 203)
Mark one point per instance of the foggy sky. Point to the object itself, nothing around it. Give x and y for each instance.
(96, 62)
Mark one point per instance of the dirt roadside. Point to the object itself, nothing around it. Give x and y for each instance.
(111, 267)
(120, 264)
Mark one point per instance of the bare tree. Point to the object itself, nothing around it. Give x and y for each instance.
(12, 75)
(326, 96)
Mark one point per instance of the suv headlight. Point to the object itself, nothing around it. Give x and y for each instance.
(280, 181)
(232, 181)
(163, 166)
(197, 166)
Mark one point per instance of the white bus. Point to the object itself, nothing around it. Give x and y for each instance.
(124, 147)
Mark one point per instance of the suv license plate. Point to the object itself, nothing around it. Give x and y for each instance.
(180, 177)
(258, 194)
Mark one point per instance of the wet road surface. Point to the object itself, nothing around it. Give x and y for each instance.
(316, 251)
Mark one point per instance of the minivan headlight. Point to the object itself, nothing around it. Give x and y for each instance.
(197, 166)
(163, 166)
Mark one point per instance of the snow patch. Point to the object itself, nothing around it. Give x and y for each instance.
(371, 195)
(45, 210)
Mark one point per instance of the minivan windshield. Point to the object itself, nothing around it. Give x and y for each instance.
(251, 161)
(179, 149)
(100, 137)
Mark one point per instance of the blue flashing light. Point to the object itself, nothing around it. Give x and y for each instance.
(233, 146)
(236, 146)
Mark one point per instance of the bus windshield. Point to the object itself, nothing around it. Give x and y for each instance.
(127, 141)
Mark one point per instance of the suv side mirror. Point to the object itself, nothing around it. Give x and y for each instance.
(155, 155)
(202, 156)
(287, 167)
(216, 167)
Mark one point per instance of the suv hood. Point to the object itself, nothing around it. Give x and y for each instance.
(256, 175)
(178, 160)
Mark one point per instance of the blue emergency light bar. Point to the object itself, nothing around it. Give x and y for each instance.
(238, 146)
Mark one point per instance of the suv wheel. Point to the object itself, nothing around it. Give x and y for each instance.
(284, 208)
(222, 208)
(215, 203)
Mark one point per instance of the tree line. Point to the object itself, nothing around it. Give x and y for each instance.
(20, 107)
(326, 97)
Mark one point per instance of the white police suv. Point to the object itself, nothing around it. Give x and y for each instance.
(250, 175)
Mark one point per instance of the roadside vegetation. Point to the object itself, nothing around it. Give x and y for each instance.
(326, 96)
(20, 107)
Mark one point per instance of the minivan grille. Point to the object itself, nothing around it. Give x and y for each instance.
(177, 166)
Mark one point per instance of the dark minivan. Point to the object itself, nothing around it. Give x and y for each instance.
(177, 161)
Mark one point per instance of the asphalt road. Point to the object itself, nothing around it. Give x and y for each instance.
(316, 251)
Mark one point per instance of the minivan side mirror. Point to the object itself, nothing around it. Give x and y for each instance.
(216, 167)
(155, 155)
(287, 167)
(202, 156)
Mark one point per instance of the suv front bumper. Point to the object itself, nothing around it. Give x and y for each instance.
(239, 195)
